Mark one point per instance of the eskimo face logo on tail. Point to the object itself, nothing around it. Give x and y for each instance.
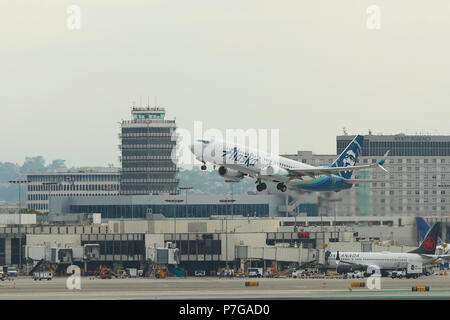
(429, 244)
(349, 159)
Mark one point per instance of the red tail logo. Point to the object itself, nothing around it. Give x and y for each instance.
(429, 244)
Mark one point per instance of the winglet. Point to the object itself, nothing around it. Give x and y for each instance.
(382, 161)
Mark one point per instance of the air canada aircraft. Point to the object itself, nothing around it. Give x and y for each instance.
(235, 162)
(423, 228)
(377, 262)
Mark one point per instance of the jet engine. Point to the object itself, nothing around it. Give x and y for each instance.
(344, 268)
(277, 173)
(372, 269)
(230, 174)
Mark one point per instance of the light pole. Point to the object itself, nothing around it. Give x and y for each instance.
(231, 187)
(185, 188)
(334, 208)
(20, 182)
(175, 216)
(185, 204)
(295, 222)
(226, 228)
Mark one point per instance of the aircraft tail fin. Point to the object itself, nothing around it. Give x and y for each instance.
(423, 227)
(428, 246)
(349, 157)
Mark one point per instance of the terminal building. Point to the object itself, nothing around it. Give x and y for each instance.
(88, 181)
(418, 182)
(171, 206)
(205, 243)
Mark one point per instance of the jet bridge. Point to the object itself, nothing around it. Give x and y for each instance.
(280, 254)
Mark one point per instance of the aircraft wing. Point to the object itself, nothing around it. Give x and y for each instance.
(356, 265)
(313, 172)
(444, 257)
(357, 181)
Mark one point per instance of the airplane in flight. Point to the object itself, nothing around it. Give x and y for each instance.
(379, 262)
(235, 162)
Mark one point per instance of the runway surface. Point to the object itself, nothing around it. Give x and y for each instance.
(214, 288)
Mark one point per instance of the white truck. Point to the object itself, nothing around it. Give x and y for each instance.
(255, 272)
(298, 274)
(399, 274)
(43, 275)
(11, 272)
(355, 275)
(413, 270)
(131, 272)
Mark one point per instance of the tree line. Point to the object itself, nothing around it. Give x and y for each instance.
(203, 182)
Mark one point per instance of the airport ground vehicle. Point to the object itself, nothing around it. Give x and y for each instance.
(227, 273)
(199, 273)
(121, 273)
(355, 275)
(297, 274)
(179, 272)
(131, 272)
(12, 272)
(43, 275)
(427, 271)
(159, 272)
(399, 274)
(255, 272)
(275, 273)
(105, 272)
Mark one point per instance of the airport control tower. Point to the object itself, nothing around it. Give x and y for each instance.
(146, 145)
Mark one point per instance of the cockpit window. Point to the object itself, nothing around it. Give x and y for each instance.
(203, 141)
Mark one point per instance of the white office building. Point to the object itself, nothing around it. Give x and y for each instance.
(88, 181)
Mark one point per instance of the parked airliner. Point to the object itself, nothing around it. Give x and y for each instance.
(237, 161)
(377, 262)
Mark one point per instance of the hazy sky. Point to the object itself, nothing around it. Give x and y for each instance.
(309, 68)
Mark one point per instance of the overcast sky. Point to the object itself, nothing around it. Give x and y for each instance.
(308, 68)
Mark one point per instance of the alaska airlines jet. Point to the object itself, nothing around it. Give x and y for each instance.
(376, 262)
(236, 162)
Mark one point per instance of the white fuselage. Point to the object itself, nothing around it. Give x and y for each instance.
(244, 159)
(382, 260)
